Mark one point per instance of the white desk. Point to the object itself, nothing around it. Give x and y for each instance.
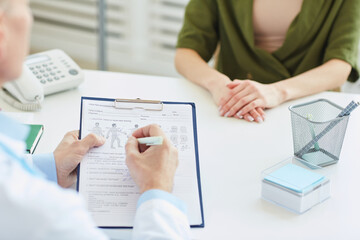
(232, 155)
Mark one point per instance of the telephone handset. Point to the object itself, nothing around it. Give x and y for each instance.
(43, 74)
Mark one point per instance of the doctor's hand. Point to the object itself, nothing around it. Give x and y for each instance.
(248, 98)
(69, 154)
(151, 167)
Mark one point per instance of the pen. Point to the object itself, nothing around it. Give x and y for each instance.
(349, 108)
(151, 141)
(309, 117)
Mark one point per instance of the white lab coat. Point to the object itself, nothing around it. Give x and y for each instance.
(33, 208)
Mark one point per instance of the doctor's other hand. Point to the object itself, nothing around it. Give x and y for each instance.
(151, 167)
(69, 154)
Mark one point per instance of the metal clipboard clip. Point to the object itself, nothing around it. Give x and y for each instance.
(148, 105)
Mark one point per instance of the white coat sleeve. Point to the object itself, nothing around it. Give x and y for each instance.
(45, 163)
(160, 215)
(32, 208)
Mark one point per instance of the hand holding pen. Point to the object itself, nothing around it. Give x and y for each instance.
(151, 159)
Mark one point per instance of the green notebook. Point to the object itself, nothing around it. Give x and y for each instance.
(33, 138)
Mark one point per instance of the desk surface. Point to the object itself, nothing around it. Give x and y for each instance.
(232, 155)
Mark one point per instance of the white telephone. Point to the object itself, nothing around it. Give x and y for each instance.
(43, 74)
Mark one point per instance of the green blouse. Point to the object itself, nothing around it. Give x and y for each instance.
(323, 30)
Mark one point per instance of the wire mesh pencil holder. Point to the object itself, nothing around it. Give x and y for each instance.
(318, 132)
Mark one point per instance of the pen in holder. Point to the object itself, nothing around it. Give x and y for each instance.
(321, 145)
(309, 117)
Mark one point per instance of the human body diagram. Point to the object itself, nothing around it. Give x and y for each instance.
(115, 133)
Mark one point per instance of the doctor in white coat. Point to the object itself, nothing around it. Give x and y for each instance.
(33, 202)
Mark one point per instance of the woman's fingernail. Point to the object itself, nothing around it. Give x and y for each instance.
(227, 114)
(259, 120)
(251, 118)
(239, 112)
(220, 107)
(221, 112)
(240, 116)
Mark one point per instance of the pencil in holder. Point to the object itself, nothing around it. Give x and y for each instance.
(318, 129)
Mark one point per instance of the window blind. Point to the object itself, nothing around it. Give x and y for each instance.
(141, 34)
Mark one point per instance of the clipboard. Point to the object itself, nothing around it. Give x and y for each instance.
(146, 110)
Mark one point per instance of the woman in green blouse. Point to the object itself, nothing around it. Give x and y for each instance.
(271, 51)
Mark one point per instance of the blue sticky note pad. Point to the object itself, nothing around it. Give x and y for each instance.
(295, 178)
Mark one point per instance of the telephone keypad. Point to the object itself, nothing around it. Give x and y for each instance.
(49, 72)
